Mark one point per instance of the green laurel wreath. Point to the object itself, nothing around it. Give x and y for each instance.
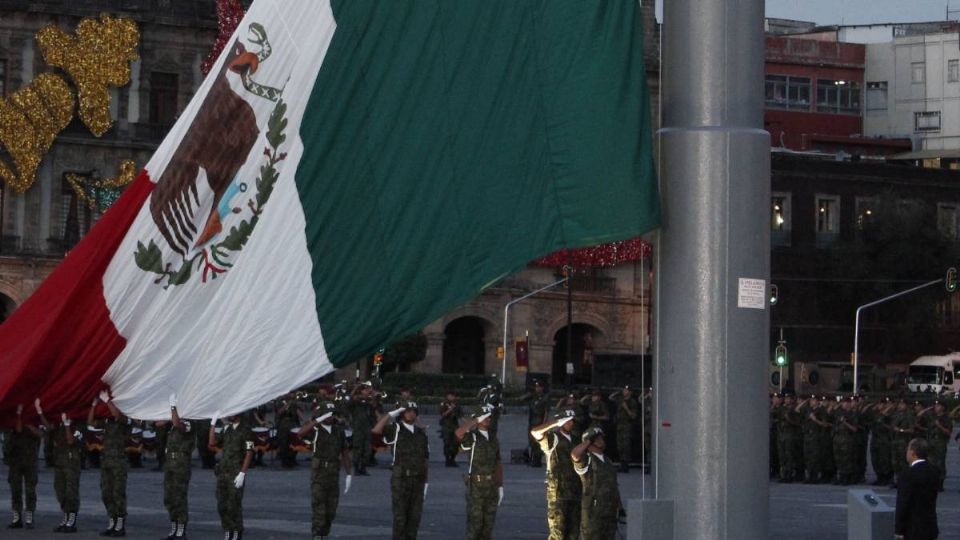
(215, 259)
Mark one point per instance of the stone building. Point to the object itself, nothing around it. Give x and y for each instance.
(609, 305)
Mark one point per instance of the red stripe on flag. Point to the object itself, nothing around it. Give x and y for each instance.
(60, 342)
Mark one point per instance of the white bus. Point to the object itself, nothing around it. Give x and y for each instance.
(937, 374)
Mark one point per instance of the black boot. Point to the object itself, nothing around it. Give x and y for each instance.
(121, 529)
(17, 522)
(111, 527)
(28, 519)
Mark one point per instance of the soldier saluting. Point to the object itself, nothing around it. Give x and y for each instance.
(484, 478)
(563, 485)
(410, 454)
(114, 465)
(330, 452)
(601, 494)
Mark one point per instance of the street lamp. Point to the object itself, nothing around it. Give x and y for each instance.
(506, 318)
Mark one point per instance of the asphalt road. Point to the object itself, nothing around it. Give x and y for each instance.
(277, 502)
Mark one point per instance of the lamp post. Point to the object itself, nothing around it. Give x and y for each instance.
(506, 318)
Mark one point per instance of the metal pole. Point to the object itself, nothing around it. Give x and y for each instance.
(506, 318)
(856, 325)
(715, 176)
(568, 366)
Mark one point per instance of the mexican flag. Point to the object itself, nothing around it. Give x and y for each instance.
(348, 172)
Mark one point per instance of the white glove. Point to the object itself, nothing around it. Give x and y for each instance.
(104, 396)
(64, 419)
(425, 486)
(36, 405)
(238, 481)
(173, 400)
(499, 495)
(19, 409)
(346, 485)
(395, 413)
(213, 421)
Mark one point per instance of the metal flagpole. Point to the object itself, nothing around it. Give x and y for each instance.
(713, 328)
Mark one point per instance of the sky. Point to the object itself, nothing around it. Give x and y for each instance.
(826, 12)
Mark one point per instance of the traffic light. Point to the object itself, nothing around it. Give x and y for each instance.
(950, 282)
(378, 357)
(774, 294)
(780, 358)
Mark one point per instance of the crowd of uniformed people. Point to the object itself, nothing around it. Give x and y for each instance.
(819, 439)
(341, 427)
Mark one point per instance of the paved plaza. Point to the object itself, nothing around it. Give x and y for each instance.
(277, 506)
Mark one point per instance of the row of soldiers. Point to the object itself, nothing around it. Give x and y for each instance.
(821, 440)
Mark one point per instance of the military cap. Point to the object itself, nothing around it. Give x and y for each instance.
(482, 412)
(564, 414)
(411, 405)
(325, 410)
(591, 434)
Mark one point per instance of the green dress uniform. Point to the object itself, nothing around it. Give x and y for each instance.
(328, 443)
(627, 410)
(601, 496)
(448, 428)
(176, 476)
(563, 487)
(481, 482)
(237, 441)
(410, 454)
(22, 459)
(113, 470)
(66, 475)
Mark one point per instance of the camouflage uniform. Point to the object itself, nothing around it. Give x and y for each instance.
(811, 443)
(481, 483)
(627, 410)
(114, 467)
(790, 444)
(844, 446)
(601, 497)
(537, 407)
(902, 419)
(939, 442)
(361, 414)
(597, 408)
(448, 428)
(410, 455)
(237, 441)
(66, 477)
(563, 487)
(328, 446)
(288, 417)
(176, 472)
(161, 443)
(22, 449)
(880, 442)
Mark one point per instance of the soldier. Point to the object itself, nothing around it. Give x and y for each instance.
(845, 428)
(23, 445)
(411, 453)
(862, 417)
(904, 423)
(596, 409)
(938, 434)
(176, 471)
(237, 441)
(563, 485)
(492, 396)
(812, 422)
(113, 465)
(330, 452)
(600, 502)
(537, 408)
(627, 411)
(287, 417)
(484, 478)
(790, 441)
(361, 411)
(579, 419)
(66, 458)
(450, 413)
(880, 441)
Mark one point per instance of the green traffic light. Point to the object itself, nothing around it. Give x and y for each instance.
(781, 360)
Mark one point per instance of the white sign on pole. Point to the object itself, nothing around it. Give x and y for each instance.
(569, 368)
(752, 293)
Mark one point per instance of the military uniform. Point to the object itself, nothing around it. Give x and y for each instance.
(563, 486)
(176, 476)
(790, 443)
(627, 410)
(287, 417)
(880, 442)
(329, 443)
(410, 455)
(600, 501)
(939, 442)
(773, 421)
(481, 483)
(66, 477)
(844, 449)
(811, 442)
(902, 420)
(22, 448)
(161, 430)
(113, 473)
(237, 442)
(448, 428)
(361, 416)
(538, 405)
(597, 409)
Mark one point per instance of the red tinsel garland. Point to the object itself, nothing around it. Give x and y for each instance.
(603, 255)
(229, 14)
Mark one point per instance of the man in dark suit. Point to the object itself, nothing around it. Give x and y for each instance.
(917, 488)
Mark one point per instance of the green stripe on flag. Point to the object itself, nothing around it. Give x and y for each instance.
(449, 143)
